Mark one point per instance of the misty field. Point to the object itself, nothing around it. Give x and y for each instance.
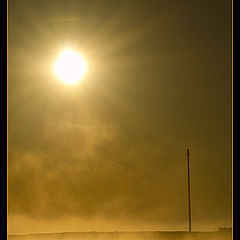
(126, 236)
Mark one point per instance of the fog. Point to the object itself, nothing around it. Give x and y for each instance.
(109, 153)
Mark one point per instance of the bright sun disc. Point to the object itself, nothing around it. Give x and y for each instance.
(70, 67)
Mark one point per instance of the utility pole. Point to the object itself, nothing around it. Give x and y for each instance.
(189, 195)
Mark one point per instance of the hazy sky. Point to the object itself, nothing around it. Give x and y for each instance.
(109, 153)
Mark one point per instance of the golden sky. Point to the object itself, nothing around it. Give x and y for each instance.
(109, 153)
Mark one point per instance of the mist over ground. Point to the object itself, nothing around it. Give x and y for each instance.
(128, 236)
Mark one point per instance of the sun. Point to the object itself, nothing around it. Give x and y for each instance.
(70, 67)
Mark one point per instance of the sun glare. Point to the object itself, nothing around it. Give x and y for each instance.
(70, 67)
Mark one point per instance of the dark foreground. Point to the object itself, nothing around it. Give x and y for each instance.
(221, 235)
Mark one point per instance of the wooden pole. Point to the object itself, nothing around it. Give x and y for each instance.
(189, 195)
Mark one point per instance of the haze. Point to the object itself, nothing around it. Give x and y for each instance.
(109, 154)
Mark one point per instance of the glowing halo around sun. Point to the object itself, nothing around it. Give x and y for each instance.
(70, 67)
